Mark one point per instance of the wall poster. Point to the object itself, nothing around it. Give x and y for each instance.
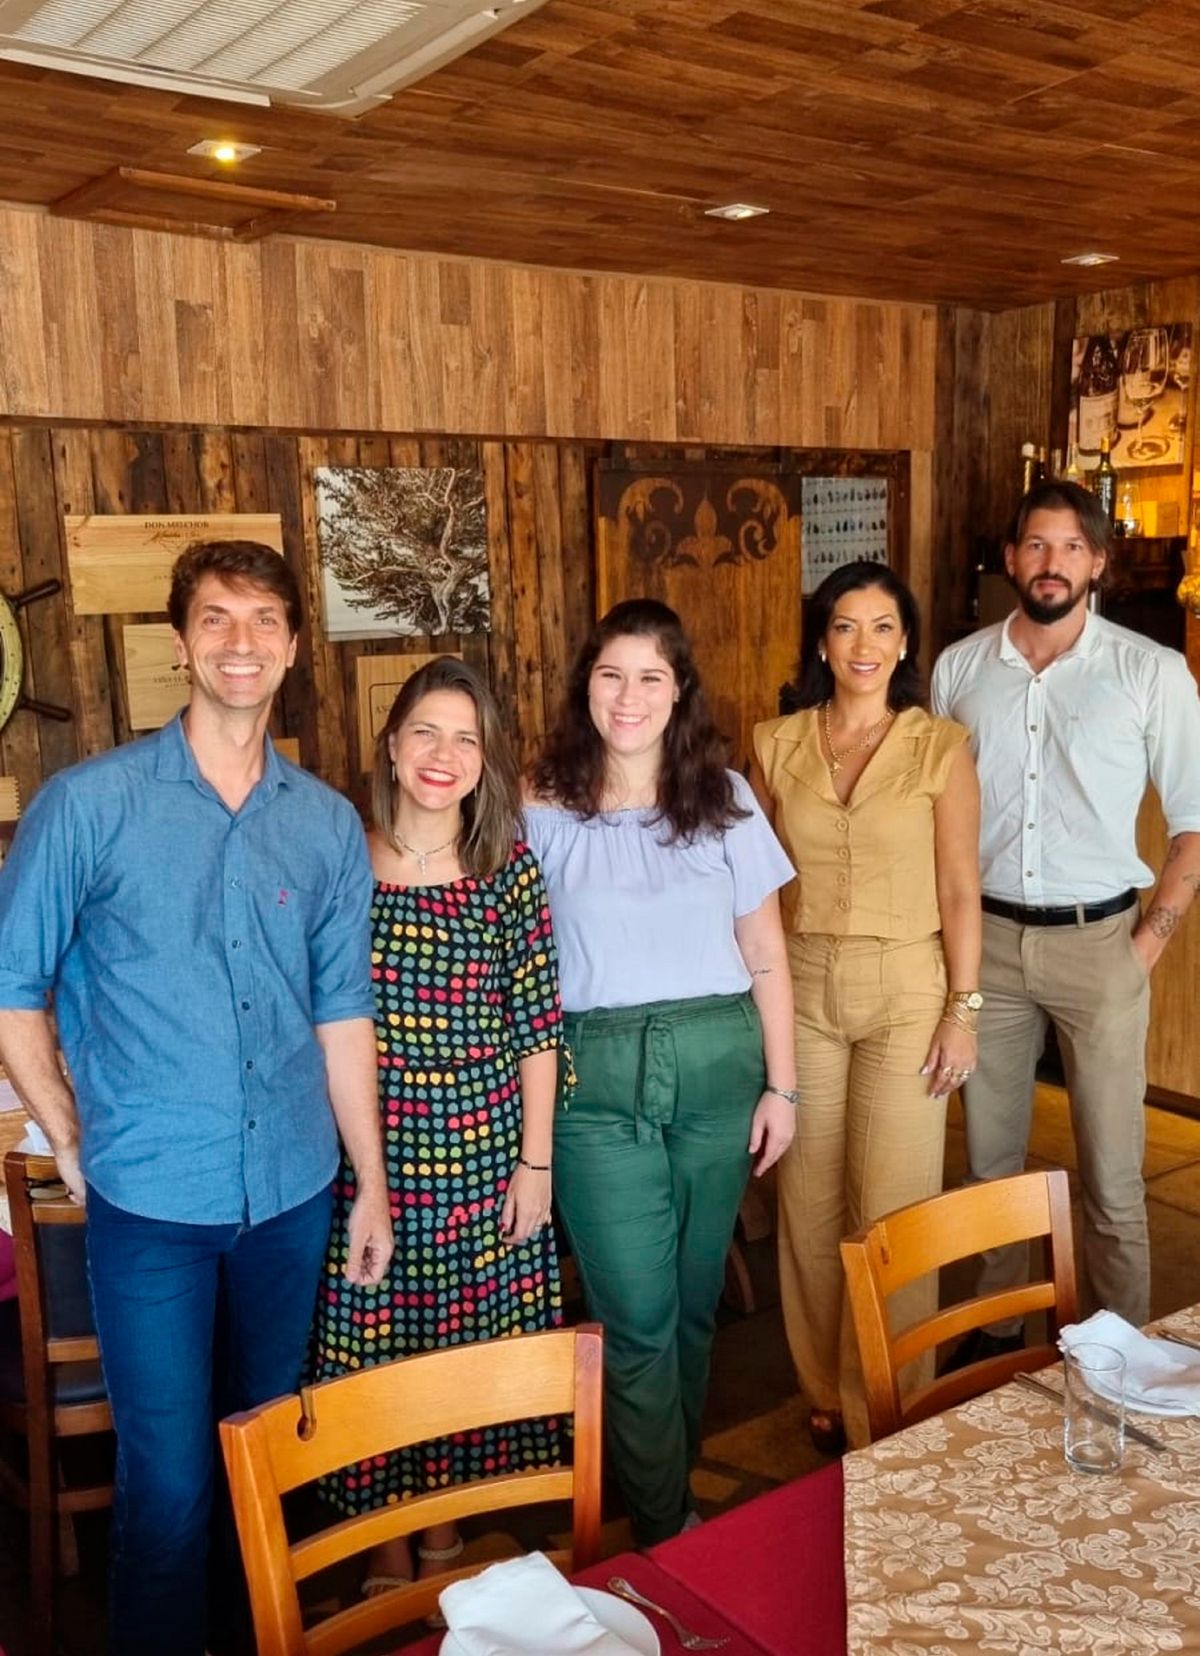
(403, 550)
(844, 519)
(1132, 388)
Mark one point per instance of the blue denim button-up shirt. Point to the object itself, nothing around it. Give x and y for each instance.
(191, 950)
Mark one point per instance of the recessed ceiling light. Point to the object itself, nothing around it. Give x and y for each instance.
(736, 210)
(225, 150)
(1090, 259)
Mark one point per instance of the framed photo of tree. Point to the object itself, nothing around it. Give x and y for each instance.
(403, 551)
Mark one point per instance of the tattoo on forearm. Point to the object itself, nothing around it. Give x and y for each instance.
(1162, 921)
(762, 971)
(1192, 882)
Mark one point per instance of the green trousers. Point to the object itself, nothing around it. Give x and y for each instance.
(650, 1163)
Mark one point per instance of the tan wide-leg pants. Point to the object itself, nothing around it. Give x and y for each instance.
(869, 1139)
(1090, 981)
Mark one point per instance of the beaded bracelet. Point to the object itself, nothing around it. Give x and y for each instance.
(534, 1167)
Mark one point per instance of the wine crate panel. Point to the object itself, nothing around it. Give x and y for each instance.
(156, 686)
(379, 679)
(121, 565)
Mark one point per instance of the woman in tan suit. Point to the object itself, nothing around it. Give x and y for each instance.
(877, 803)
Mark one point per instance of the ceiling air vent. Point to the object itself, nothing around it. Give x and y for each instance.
(344, 56)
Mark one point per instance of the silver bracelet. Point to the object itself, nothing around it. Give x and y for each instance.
(790, 1093)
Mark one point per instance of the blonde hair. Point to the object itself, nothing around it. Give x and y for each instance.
(491, 812)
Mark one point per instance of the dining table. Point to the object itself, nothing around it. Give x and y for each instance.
(967, 1532)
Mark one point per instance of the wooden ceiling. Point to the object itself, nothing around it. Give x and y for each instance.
(919, 149)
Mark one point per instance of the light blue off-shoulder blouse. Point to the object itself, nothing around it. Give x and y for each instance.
(637, 919)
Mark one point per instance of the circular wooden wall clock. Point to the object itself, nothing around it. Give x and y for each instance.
(12, 657)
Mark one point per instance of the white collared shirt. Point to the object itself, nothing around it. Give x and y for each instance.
(1064, 756)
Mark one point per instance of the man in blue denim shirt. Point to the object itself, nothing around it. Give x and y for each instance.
(199, 910)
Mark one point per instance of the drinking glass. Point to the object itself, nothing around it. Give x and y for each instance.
(1181, 374)
(1144, 364)
(1094, 1408)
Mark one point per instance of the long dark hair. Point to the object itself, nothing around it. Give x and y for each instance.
(491, 812)
(814, 680)
(695, 792)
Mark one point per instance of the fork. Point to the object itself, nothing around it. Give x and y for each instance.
(1166, 1333)
(688, 1639)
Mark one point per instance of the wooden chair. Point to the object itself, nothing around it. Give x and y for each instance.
(51, 1386)
(921, 1238)
(279, 1446)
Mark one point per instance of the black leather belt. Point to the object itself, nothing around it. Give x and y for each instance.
(1077, 914)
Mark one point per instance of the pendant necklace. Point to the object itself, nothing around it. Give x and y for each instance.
(835, 758)
(424, 856)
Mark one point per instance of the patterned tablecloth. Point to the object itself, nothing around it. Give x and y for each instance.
(970, 1533)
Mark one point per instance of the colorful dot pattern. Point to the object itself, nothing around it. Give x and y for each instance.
(466, 984)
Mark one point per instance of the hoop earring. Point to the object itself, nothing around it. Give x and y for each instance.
(821, 652)
(904, 652)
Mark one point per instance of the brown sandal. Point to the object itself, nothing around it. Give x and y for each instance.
(826, 1431)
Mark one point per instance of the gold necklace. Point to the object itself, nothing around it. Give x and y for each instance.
(835, 758)
(424, 856)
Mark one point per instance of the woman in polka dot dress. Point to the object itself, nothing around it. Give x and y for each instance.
(467, 1023)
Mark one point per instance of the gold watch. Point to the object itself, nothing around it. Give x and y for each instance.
(970, 999)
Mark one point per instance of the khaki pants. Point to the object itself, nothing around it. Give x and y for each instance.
(869, 1139)
(1090, 981)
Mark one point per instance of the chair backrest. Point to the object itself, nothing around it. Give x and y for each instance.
(281, 1445)
(49, 1240)
(923, 1237)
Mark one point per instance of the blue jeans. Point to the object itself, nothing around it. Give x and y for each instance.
(194, 1321)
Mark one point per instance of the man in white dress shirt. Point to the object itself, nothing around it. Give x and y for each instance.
(1071, 716)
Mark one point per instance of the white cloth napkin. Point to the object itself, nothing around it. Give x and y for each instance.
(36, 1140)
(523, 1607)
(1160, 1378)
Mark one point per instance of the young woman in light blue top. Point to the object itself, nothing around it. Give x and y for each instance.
(663, 878)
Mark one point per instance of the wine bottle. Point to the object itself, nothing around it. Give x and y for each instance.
(1039, 465)
(1099, 376)
(1073, 473)
(1104, 482)
(1028, 462)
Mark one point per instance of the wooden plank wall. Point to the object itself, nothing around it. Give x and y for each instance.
(106, 325)
(102, 323)
(539, 518)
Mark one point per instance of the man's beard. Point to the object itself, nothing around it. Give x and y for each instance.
(1046, 611)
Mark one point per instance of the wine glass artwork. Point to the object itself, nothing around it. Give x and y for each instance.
(1144, 365)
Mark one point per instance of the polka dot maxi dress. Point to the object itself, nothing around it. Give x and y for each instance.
(466, 984)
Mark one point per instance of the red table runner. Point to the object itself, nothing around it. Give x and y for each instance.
(768, 1575)
(641, 1572)
(773, 1567)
